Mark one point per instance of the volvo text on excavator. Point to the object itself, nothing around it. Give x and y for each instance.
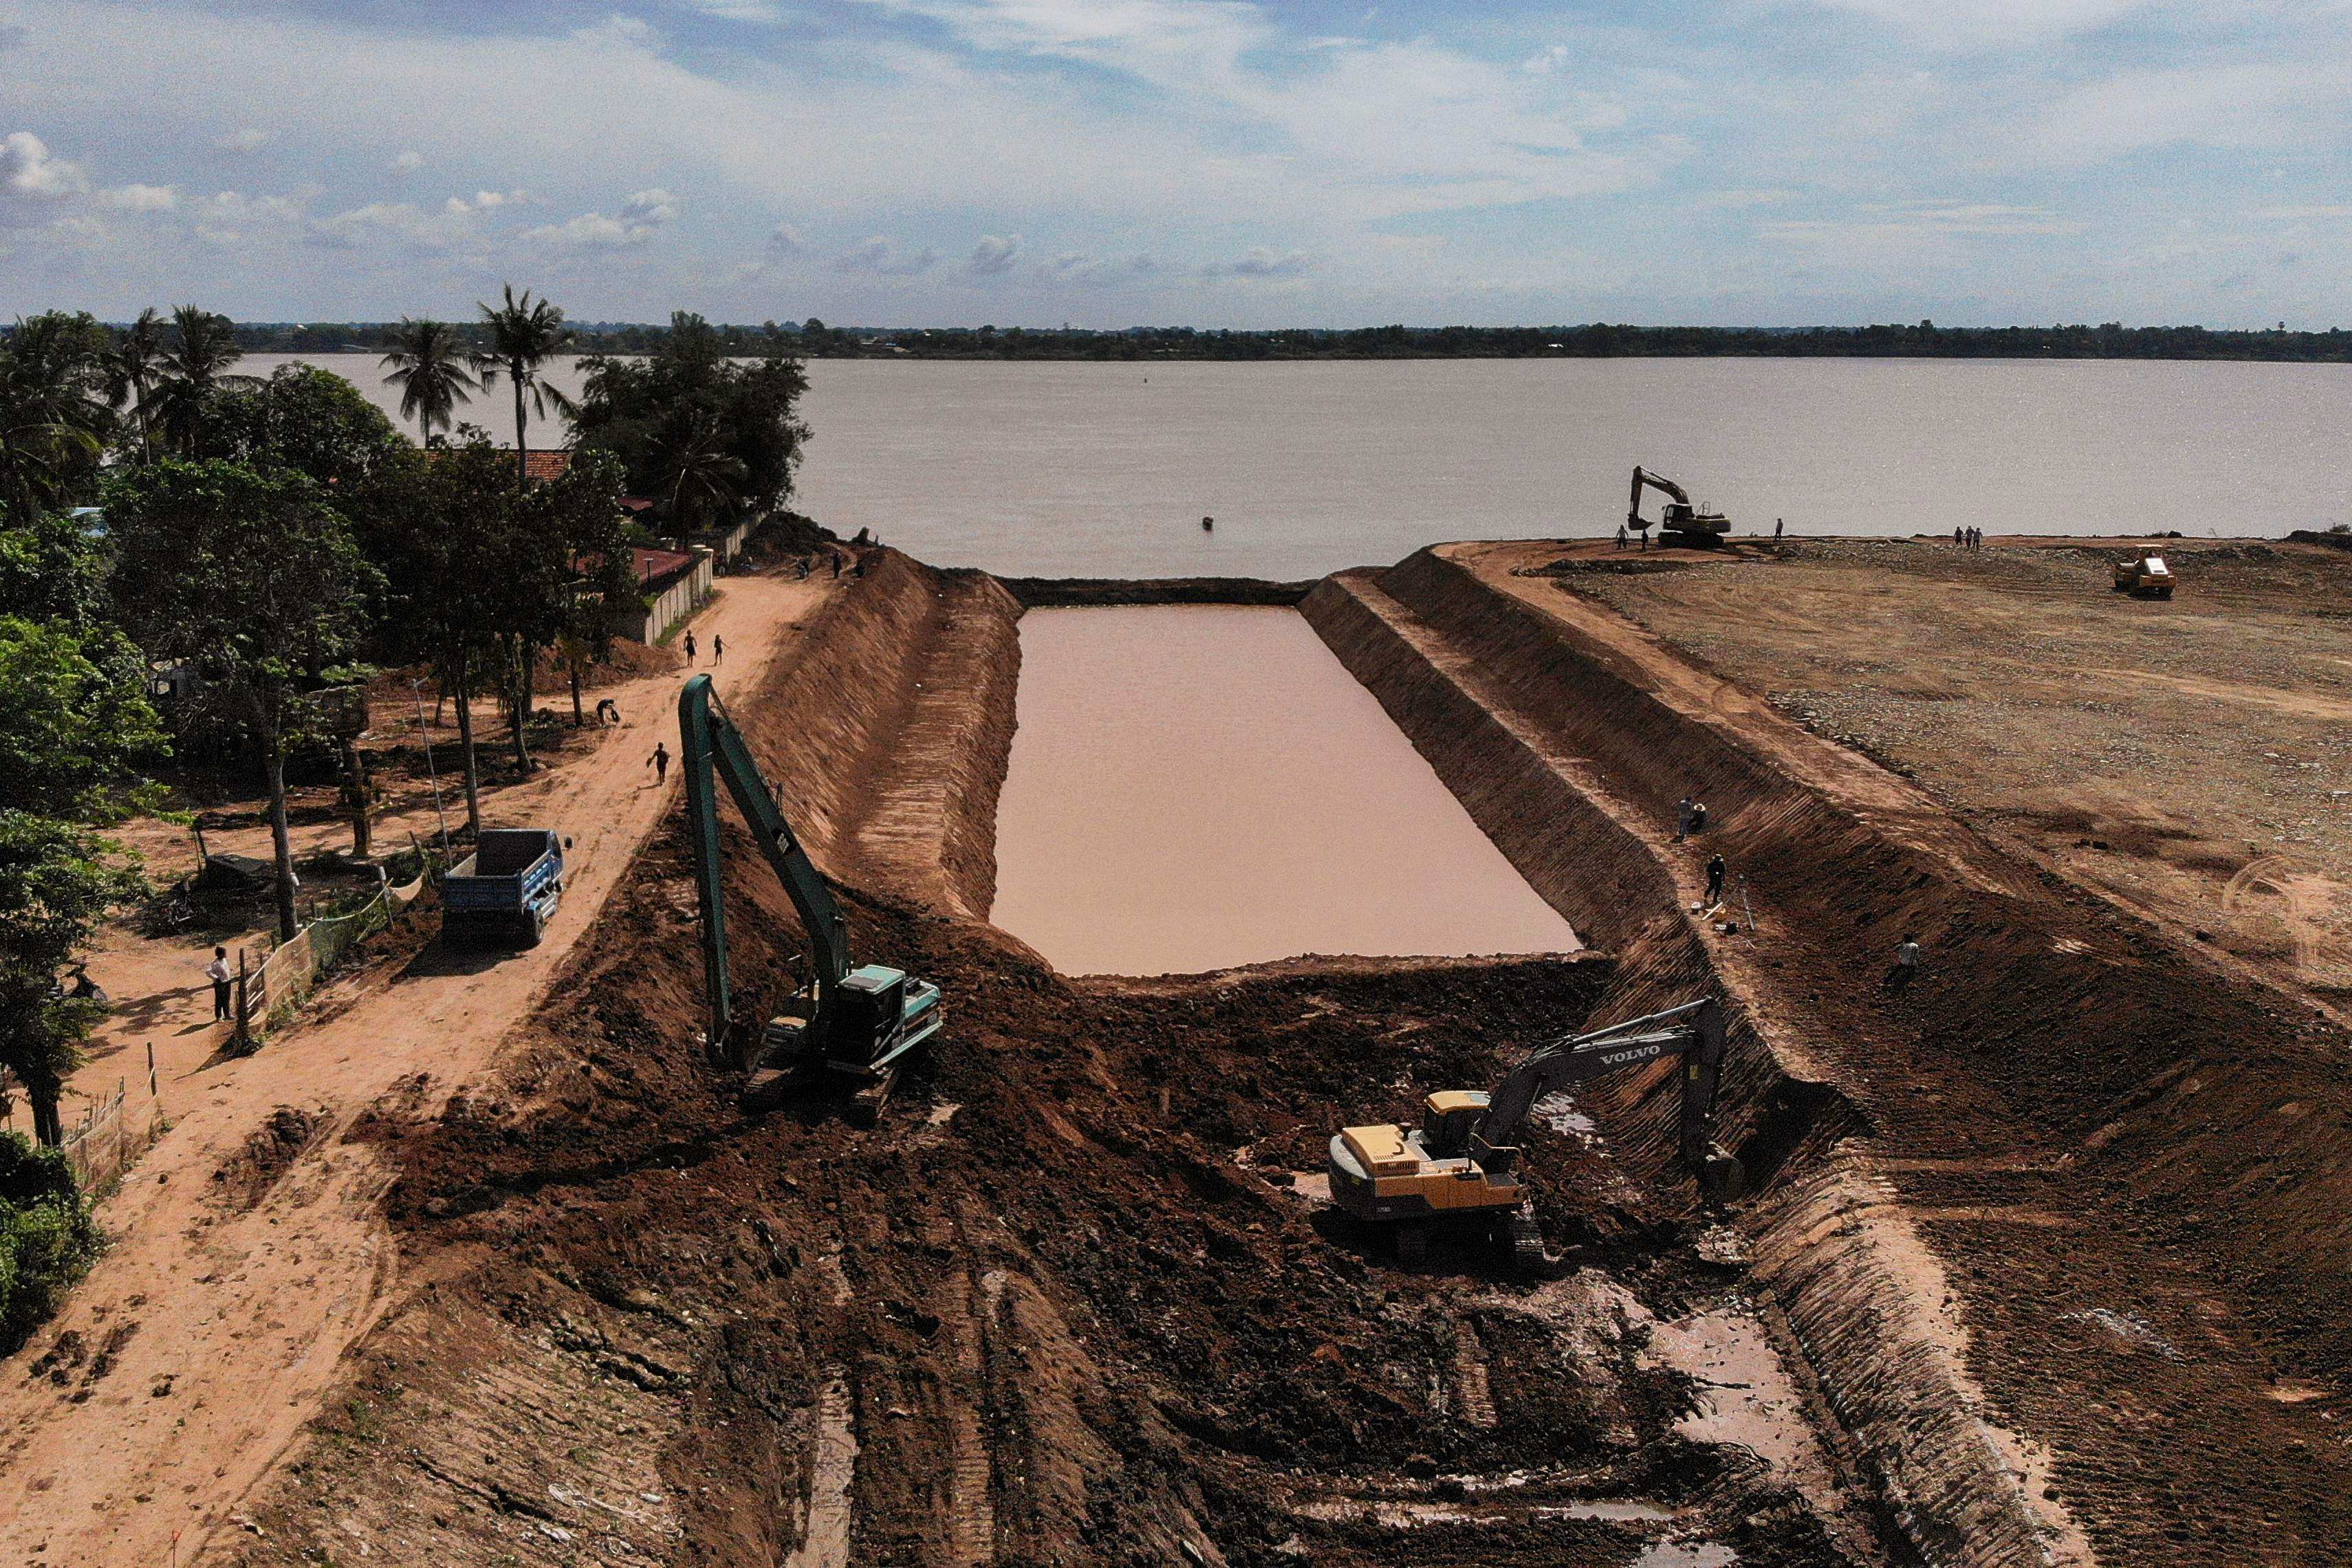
(1683, 524)
(1460, 1169)
(853, 1023)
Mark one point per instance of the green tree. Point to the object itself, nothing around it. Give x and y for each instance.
(54, 421)
(196, 366)
(47, 1239)
(712, 437)
(439, 553)
(55, 885)
(135, 366)
(71, 728)
(429, 362)
(302, 418)
(525, 335)
(253, 578)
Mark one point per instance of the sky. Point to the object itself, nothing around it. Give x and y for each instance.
(1199, 163)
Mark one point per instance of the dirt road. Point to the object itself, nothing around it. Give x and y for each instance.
(248, 1247)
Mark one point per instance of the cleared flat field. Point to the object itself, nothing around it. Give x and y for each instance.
(2190, 758)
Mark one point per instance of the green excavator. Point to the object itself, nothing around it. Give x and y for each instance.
(853, 1024)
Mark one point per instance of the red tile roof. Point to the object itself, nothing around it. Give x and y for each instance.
(537, 466)
(656, 564)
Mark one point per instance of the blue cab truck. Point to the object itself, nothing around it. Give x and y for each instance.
(505, 892)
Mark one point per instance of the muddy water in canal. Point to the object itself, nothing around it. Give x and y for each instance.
(1197, 786)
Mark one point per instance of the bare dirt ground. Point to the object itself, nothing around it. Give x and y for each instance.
(2191, 759)
(249, 1248)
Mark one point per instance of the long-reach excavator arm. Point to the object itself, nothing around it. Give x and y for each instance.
(710, 744)
(854, 1020)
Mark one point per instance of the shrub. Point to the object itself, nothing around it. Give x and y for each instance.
(47, 1239)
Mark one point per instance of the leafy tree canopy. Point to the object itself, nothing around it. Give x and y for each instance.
(303, 418)
(707, 436)
(248, 573)
(54, 417)
(73, 727)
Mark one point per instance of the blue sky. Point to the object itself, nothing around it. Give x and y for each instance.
(1211, 163)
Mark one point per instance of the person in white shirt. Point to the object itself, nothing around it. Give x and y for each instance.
(218, 972)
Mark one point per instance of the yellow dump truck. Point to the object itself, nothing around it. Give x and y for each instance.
(2144, 575)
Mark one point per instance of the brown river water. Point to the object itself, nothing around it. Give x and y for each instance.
(1193, 787)
(1106, 470)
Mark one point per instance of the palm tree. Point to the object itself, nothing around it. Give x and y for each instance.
(431, 365)
(133, 366)
(53, 417)
(525, 334)
(697, 469)
(195, 367)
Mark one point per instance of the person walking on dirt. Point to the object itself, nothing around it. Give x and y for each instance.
(1959, 537)
(217, 973)
(1620, 536)
(1779, 526)
(608, 711)
(689, 650)
(717, 650)
(1715, 881)
(659, 762)
(1682, 819)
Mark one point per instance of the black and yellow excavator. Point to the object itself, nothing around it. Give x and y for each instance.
(1681, 523)
(854, 1023)
(1460, 1169)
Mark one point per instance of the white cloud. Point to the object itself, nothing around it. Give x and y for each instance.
(249, 140)
(228, 217)
(141, 199)
(884, 258)
(765, 12)
(641, 215)
(993, 255)
(1261, 261)
(2326, 210)
(2235, 107)
(1990, 24)
(30, 173)
(408, 162)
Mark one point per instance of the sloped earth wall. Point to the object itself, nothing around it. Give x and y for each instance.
(2060, 1227)
(1064, 1305)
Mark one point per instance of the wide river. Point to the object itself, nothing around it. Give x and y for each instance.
(1068, 469)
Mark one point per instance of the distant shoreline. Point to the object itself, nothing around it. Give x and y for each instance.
(814, 340)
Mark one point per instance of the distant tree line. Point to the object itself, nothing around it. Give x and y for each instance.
(812, 339)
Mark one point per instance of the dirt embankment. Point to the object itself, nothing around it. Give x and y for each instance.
(1065, 1305)
(2123, 1165)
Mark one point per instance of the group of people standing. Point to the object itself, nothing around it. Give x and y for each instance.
(1968, 538)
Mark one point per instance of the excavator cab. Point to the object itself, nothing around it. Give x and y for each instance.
(1448, 1118)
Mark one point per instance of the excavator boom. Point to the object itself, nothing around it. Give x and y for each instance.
(854, 1021)
(708, 744)
(1681, 517)
(1693, 1031)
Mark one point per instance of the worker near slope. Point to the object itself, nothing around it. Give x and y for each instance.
(659, 762)
(217, 973)
(1714, 870)
(689, 650)
(1620, 536)
(1682, 810)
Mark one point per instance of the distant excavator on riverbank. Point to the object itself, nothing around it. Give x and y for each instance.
(1683, 522)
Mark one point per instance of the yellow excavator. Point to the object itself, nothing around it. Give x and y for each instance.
(1459, 1170)
(1681, 522)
